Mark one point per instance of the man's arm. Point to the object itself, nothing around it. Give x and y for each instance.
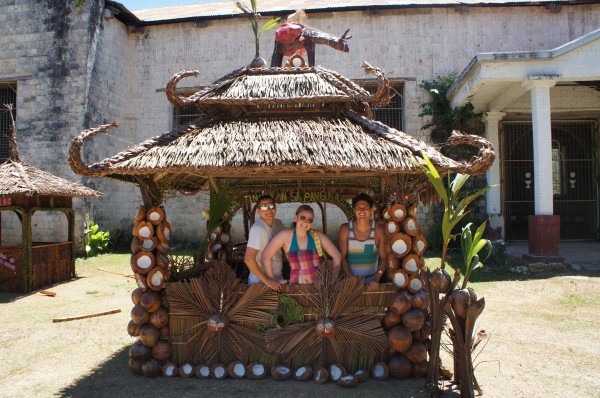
(343, 248)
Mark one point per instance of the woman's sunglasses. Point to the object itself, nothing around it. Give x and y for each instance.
(267, 206)
(304, 218)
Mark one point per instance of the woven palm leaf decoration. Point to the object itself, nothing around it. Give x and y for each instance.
(225, 316)
(338, 332)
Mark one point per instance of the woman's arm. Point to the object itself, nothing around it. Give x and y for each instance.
(274, 245)
(343, 248)
(330, 248)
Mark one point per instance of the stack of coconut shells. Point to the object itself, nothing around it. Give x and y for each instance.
(406, 320)
(219, 244)
(149, 316)
(405, 246)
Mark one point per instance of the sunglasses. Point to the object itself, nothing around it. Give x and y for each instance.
(267, 206)
(304, 218)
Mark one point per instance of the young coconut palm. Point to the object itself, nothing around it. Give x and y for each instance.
(218, 309)
(254, 16)
(337, 331)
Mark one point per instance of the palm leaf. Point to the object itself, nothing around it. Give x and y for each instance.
(251, 306)
(286, 341)
(349, 292)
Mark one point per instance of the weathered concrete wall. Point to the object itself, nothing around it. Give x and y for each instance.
(78, 69)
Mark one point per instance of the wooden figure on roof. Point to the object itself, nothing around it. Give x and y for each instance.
(294, 38)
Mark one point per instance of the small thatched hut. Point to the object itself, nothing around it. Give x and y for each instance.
(24, 190)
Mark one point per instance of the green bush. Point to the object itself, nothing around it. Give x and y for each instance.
(95, 240)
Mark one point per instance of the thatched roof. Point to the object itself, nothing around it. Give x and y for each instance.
(271, 86)
(18, 178)
(298, 125)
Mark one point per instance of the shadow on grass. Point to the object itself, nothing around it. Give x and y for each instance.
(113, 379)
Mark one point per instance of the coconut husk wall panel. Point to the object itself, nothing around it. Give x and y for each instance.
(149, 316)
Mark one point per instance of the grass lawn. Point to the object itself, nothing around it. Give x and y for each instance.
(542, 342)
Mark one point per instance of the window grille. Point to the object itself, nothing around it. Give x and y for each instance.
(8, 95)
(393, 114)
(184, 116)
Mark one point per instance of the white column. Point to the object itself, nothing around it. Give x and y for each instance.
(542, 144)
(493, 204)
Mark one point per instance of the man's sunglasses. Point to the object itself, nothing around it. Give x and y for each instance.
(267, 206)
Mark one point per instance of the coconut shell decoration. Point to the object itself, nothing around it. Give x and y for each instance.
(336, 371)
(162, 350)
(149, 335)
(144, 230)
(391, 319)
(417, 352)
(155, 215)
(150, 301)
(423, 334)
(400, 244)
(186, 370)
(399, 338)
(147, 244)
(280, 372)
(136, 295)
(419, 244)
(169, 369)
(140, 280)
(401, 302)
(321, 376)
(415, 284)
(156, 279)
(139, 315)
(392, 227)
(392, 267)
(135, 365)
(461, 300)
(142, 262)
(361, 375)
(420, 300)
(347, 381)
(160, 317)
(420, 369)
(400, 279)
(162, 247)
(410, 264)
(398, 212)
(256, 371)
(140, 351)
(202, 371)
(236, 370)
(410, 226)
(151, 368)
(135, 245)
(385, 214)
(162, 260)
(163, 232)
(303, 373)
(400, 366)
(140, 215)
(380, 371)
(218, 371)
(133, 329)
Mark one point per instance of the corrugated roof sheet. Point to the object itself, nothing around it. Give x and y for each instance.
(227, 9)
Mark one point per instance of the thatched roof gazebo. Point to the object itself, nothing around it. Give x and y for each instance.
(24, 190)
(280, 127)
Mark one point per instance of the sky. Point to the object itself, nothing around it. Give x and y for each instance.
(138, 4)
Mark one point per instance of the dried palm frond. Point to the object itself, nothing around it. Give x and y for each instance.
(338, 334)
(220, 312)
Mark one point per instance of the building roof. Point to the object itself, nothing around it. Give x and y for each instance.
(226, 8)
(491, 81)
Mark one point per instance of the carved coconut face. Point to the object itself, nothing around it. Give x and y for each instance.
(325, 327)
(216, 323)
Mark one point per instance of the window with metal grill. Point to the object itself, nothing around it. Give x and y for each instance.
(393, 114)
(184, 116)
(8, 95)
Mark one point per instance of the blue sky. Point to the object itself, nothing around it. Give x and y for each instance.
(138, 4)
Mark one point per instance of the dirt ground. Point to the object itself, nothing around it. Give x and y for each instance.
(543, 342)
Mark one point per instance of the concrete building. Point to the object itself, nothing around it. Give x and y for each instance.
(531, 66)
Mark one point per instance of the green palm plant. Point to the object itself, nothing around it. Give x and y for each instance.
(455, 202)
(254, 15)
(222, 206)
(472, 245)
